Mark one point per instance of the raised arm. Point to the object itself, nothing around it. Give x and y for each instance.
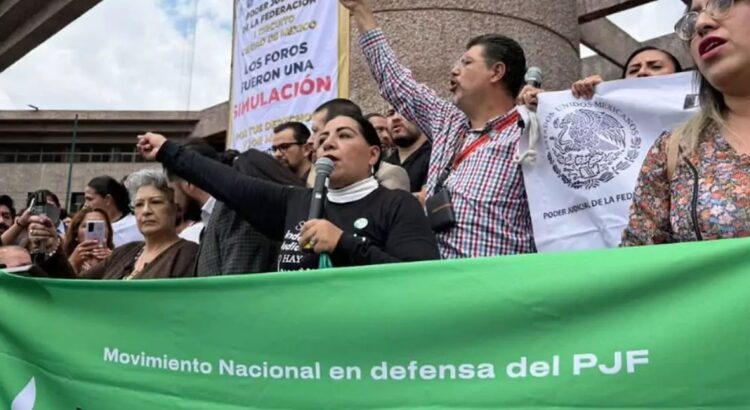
(21, 223)
(416, 102)
(261, 203)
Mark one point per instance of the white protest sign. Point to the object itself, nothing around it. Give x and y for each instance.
(289, 57)
(589, 156)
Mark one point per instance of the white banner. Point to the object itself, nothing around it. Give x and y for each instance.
(290, 56)
(589, 156)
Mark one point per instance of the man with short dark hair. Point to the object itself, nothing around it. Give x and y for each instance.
(412, 149)
(7, 213)
(380, 122)
(191, 199)
(326, 112)
(290, 148)
(474, 139)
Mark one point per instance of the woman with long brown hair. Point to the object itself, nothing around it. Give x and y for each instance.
(646, 61)
(695, 183)
(85, 254)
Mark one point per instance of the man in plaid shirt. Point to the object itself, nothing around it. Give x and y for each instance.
(477, 136)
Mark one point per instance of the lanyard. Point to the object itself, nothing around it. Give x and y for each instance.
(513, 118)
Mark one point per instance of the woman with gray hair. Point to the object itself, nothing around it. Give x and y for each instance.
(162, 254)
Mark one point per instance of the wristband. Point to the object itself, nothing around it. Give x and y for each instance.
(51, 252)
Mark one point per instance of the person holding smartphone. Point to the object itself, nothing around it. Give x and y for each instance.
(162, 255)
(40, 203)
(89, 240)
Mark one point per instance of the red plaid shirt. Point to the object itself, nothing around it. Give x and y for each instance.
(487, 188)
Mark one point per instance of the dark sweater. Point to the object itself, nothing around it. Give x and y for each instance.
(385, 226)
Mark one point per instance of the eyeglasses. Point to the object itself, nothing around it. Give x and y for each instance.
(284, 146)
(687, 24)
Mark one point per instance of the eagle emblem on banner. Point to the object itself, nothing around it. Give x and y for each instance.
(588, 147)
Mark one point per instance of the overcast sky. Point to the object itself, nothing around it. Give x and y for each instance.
(136, 55)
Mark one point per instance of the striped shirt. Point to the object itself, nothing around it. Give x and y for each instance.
(487, 189)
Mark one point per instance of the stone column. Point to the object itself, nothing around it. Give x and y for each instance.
(428, 36)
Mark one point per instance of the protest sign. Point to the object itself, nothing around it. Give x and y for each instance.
(289, 56)
(589, 156)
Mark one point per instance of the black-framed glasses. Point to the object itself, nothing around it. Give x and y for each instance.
(687, 24)
(285, 146)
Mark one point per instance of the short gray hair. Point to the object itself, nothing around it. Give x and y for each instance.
(148, 177)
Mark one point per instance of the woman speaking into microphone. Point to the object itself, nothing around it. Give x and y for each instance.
(361, 222)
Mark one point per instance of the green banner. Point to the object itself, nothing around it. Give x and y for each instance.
(652, 327)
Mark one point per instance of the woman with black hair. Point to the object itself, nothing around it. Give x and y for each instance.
(362, 224)
(644, 62)
(650, 61)
(7, 213)
(106, 193)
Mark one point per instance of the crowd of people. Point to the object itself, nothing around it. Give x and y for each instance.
(428, 179)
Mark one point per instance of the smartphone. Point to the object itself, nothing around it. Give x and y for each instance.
(39, 206)
(95, 231)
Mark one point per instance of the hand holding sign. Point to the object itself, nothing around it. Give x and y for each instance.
(529, 96)
(586, 88)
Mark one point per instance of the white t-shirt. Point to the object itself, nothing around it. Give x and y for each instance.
(125, 231)
(193, 232)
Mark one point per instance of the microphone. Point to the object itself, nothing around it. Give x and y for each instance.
(323, 168)
(533, 77)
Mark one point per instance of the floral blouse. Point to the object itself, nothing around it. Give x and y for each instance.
(675, 211)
